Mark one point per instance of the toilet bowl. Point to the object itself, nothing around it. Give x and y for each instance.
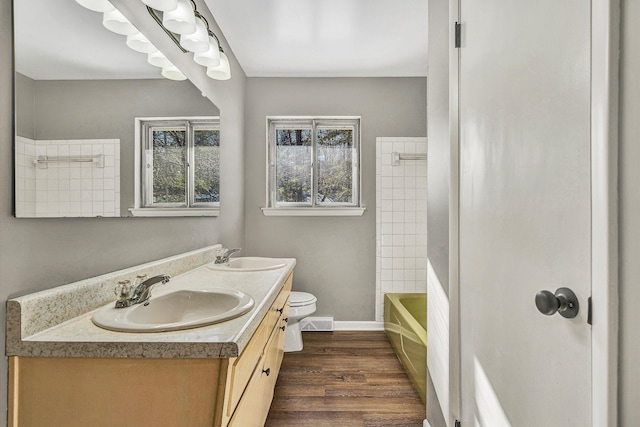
(301, 305)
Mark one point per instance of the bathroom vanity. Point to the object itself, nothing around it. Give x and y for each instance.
(65, 371)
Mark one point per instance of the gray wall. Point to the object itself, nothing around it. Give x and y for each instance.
(42, 253)
(438, 133)
(103, 109)
(25, 106)
(629, 226)
(438, 174)
(336, 255)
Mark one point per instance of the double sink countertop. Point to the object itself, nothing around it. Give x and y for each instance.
(57, 322)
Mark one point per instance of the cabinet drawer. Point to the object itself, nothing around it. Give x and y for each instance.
(288, 283)
(278, 310)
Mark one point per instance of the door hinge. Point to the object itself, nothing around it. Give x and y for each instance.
(589, 312)
(457, 424)
(458, 34)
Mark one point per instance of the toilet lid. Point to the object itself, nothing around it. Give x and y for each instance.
(302, 298)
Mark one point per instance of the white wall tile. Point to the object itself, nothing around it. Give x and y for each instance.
(400, 219)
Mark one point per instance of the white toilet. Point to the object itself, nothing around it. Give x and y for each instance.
(301, 305)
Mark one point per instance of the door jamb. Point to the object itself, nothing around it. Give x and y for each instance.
(455, 366)
(605, 41)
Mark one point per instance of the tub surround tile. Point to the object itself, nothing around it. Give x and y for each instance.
(57, 322)
(401, 203)
(59, 177)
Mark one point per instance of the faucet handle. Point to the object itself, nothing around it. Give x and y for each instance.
(219, 253)
(123, 289)
(139, 279)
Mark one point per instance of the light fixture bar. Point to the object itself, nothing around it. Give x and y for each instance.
(220, 72)
(173, 37)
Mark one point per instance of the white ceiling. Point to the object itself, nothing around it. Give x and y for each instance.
(61, 40)
(326, 38)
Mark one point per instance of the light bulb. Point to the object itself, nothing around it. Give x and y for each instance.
(115, 21)
(172, 73)
(198, 41)
(222, 71)
(158, 59)
(161, 5)
(210, 58)
(96, 5)
(140, 43)
(180, 20)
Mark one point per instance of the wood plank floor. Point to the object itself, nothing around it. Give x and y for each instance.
(344, 379)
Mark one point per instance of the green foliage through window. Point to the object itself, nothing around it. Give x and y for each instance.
(314, 162)
(183, 163)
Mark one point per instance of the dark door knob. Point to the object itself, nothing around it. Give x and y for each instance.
(564, 301)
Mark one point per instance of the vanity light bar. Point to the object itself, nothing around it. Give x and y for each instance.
(213, 58)
(201, 40)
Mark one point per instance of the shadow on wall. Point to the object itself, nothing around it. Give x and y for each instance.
(438, 327)
(488, 407)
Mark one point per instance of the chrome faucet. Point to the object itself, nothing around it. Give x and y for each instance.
(224, 258)
(142, 292)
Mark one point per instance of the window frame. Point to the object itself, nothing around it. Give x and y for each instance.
(314, 208)
(144, 205)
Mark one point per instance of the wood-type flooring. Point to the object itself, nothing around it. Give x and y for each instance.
(344, 379)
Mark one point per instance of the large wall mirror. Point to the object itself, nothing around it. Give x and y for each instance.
(78, 91)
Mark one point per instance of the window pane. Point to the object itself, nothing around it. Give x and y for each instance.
(169, 161)
(335, 165)
(207, 165)
(293, 165)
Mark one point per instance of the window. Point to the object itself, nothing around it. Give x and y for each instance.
(179, 170)
(314, 166)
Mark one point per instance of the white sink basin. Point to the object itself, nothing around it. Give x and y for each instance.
(181, 309)
(249, 264)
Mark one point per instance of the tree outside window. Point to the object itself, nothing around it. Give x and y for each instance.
(182, 167)
(313, 162)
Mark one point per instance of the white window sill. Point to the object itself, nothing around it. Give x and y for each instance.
(359, 211)
(157, 212)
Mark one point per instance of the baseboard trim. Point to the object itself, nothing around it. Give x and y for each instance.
(425, 423)
(358, 326)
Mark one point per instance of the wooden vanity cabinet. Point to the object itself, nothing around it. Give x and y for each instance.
(254, 406)
(249, 392)
(138, 392)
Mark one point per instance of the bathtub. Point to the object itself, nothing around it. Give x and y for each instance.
(405, 324)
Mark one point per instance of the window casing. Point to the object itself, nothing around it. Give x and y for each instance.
(313, 163)
(180, 164)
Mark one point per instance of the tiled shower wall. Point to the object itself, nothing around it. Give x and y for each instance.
(401, 219)
(67, 189)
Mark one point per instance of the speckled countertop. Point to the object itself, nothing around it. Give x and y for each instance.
(57, 322)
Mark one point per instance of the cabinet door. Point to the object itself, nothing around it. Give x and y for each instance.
(249, 412)
(272, 361)
(241, 369)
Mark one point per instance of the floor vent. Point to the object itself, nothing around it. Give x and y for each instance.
(317, 324)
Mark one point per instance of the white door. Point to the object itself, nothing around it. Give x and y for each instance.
(524, 116)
